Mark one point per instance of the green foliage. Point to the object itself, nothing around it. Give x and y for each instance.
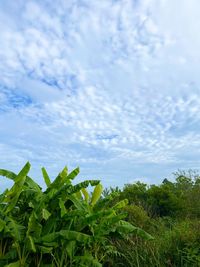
(168, 199)
(61, 226)
(137, 216)
(171, 213)
(66, 225)
(162, 201)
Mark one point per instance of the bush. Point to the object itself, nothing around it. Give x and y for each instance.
(138, 216)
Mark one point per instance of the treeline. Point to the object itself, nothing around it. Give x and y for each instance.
(171, 213)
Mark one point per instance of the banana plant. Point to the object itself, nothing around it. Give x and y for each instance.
(63, 225)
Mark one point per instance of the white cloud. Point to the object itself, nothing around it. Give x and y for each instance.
(99, 83)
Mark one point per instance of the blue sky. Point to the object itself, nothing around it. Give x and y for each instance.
(112, 86)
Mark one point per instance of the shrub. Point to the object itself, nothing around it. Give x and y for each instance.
(137, 216)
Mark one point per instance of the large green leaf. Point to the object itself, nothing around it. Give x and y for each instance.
(13, 194)
(96, 217)
(80, 205)
(30, 244)
(14, 264)
(73, 174)
(86, 194)
(107, 225)
(70, 248)
(2, 225)
(46, 177)
(8, 174)
(16, 230)
(12, 176)
(74, 235)
(63, 210)
(49, 226)
(127, 228)
(79, 186)
(66, 234)
(96, 194)
(49, 237)
(63, 175)
(60, 179)
(94, 182)
(34, 227)
(31, 184)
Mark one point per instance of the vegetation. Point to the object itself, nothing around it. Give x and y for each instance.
(171, 213)
(64, 225)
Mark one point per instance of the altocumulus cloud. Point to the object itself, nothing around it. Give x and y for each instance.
(111, 86)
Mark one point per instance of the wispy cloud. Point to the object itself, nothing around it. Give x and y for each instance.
(106, 85)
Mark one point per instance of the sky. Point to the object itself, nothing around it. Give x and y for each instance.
(111, 86)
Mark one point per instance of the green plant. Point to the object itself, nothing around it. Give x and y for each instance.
(63, 225)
